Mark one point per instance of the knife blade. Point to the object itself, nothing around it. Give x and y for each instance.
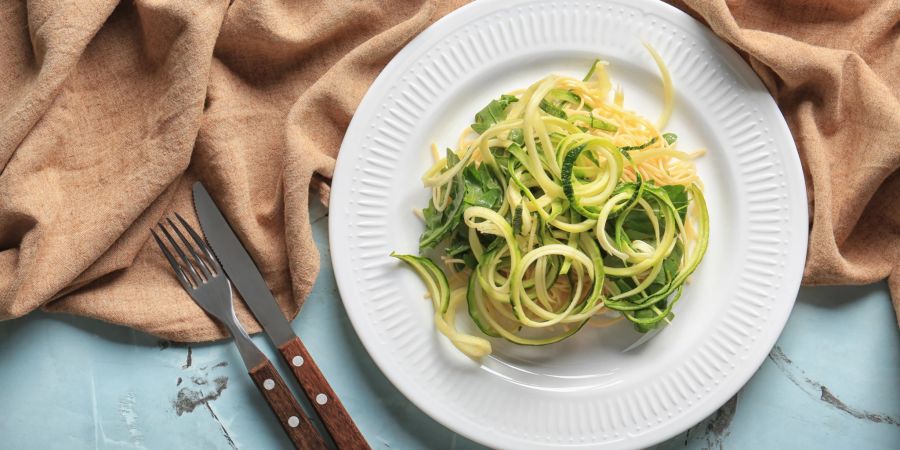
(245, 276)
(241, 268)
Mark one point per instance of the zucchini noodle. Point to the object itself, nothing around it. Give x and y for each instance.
(559, 207)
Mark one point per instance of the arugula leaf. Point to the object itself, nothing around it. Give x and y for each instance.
(482, 188)
(502, 161)
(637, 225)
(494, 112)
(459, 243)
(432, 216)
(437, 230)
(470, 260)
(473, 186)
(438, 224)
(612, 261)
(646, 313)
(678, 195)
(452, 159)
(494, 243)
(457, 247)
(517, 135)
(669, 270)
(672, 263)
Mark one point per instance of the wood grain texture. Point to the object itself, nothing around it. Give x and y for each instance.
(284, 405)
(327, 404)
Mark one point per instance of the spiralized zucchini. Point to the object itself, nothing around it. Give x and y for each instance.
(559, 207)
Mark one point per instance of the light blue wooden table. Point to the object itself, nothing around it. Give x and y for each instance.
(832, 382)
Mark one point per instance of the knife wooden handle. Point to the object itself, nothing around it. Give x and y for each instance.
(327, 404)
(284, 405)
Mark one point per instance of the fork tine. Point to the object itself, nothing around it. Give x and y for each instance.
(201, 243)
(179, 272)
(190, 267)
(197, 259)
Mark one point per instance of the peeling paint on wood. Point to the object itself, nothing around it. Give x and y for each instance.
(225, 432)
(829, 398)
(817, 390)
(129, 416)
(189, 399)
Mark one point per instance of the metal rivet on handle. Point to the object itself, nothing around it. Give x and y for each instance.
(293, 421)
(269, 384)
(321, 399)
(297, 361)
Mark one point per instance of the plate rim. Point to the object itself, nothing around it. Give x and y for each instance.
(787, 150)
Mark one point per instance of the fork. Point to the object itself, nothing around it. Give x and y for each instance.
(203, 278)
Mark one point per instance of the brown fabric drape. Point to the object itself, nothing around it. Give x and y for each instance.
(833, 66)
(109, 111)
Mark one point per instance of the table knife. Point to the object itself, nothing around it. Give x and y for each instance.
(205, 281)
(245, 276)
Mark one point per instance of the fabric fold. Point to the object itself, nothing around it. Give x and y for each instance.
(122, 107)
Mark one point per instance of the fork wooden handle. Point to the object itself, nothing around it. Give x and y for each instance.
(327, 404)
(285, 406)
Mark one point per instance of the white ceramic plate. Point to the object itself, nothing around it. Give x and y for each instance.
(586, 391)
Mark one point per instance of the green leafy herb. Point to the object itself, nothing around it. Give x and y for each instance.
(646, 313)
(438, 224)
(670, 138)
(433, 217)
(473, 186)
(517, 135)
(494, 112)
(457, 246)
(678, 195)
(482, 188)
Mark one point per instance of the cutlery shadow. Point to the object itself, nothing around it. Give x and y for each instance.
(110, 332)
(836, 297)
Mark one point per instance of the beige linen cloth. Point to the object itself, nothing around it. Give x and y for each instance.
(109, 112)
